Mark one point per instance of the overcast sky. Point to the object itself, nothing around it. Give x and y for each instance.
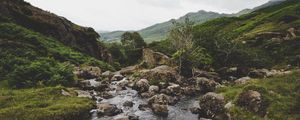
(112, 15)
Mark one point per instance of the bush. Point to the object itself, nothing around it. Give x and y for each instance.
(44, 72)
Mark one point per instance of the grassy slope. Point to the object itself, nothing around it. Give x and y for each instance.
(42, 104)
(276, 18)
(282, 93)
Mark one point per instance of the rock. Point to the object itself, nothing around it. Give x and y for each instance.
(106, 95)
(85, 85)
(190, 90)
(251, 100)
(143, 107)
(228, 106)
(152, 58)
(161, 99)
(117, 77)
(123, 83)
(130, 117)
(165, 91)
(129, 70)
(195, 110)
(128, 104)
(65, 93)
(87, 72)
(212, 104)
(153, 89)
(108, 109)
(147, 94)
(81, 93)
(166, 73)
(204, 119)
(226, 72)
(259, 73)
(210, 75)
(242, 80)
(161, 110)
(205, 85)
(102, 86)
(142, 85)
(107, 74)
(174, 89)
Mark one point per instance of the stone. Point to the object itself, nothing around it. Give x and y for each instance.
(161, 99)
(205, 85)
(85, 94)
(65, 93)
(128, 104)
(107, 74)
(87, 72)
(161, 110)
(153, 89)
(242, 80)
(259, 73)
(189, 90)
(143, 107)
(142, 85)
(117, 77)
(174, 89)
(108, 109)
(251, 100)
(123, 83)
(152, 58)
(166, 73)
(212, 104)
(195, 110)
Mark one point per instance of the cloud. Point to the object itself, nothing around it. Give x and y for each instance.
(162, 3)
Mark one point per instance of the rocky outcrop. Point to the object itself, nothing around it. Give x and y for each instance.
(83, 39)
(152, 58)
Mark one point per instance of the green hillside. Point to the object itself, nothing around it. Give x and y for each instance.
(265, 37)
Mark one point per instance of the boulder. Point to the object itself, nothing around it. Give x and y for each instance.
(153, 89)
(161, 99)
(152, 58)
(107, 74)
(210, 75)
(242, 80)
(259, 73)
(174, 89)
(117, 77)
(189, 90)
(165, 73)
(142, 85)
(65, 93)
(123, 83)
(251, 100)
(130, 117)
(87, 72)
(161, 110)
(205, 85)
(108, 109)
(143, 107)
(106, 95)
(195, 110)
(147, 94)
(81, 93)
(85, 85)
(212, 104)
(128, 104)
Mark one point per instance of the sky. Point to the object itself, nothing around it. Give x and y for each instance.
(111, 15)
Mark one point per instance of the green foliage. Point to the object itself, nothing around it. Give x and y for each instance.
(30, 59)
(133, 39)
(42, 104)
(239, 41)
(41, 73)
(280, 97)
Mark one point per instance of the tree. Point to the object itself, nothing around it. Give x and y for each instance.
(188, 55)
(133, 39)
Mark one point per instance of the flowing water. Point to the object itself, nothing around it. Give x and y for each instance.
(180, 111)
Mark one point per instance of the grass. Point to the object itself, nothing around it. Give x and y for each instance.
(42, 104)
(282, 94)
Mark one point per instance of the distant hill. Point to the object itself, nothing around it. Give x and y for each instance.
(159, 31)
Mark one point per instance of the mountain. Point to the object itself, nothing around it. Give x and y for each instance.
(159, 31)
